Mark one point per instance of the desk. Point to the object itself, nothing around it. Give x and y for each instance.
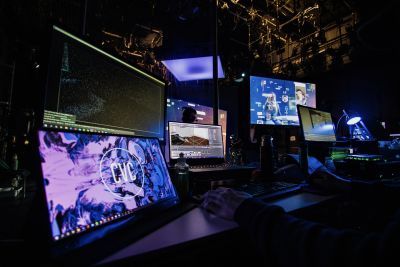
(197, 224)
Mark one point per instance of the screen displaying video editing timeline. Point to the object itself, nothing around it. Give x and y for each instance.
(316, 125)
(204, 114)
(90, 90)
(273, 101)
(93, 179)
(195, 140)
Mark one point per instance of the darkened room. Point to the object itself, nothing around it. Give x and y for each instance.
(199, 133)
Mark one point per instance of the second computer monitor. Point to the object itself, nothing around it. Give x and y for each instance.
(195, 141)
(273, 101)
(316, 125)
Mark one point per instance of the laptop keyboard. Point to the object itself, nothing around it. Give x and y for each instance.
(268, 189)
(208, 166)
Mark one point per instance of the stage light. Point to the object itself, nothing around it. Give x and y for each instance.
(190, 69)
(256, 55)
(243, 74)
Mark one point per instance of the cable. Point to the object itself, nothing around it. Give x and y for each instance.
(344, 115)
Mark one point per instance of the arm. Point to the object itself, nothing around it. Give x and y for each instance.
(319, 176)
(285, 240)
(288, 241)
(278, 107)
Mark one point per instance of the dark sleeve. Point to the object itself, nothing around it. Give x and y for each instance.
(285, 240)
(313, 163)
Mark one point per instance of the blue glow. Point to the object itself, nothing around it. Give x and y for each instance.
(353, 120)
(273, 101)
(189, 69)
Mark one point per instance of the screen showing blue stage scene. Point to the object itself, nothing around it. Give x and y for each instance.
(273, 101)
(95, 179)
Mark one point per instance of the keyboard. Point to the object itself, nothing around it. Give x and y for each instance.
(205, 166)
(269, 190)
(217, 167)
(364, 157)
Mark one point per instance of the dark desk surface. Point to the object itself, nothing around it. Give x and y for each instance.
(197, 224)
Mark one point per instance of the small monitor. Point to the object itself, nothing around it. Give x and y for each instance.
(204, 114)
(92, 180)
(195, 141)
(273, 101)
(316, 125)
(90, 90)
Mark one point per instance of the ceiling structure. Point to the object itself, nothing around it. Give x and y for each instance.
(291, 36)
(288, 37)
(279, 37)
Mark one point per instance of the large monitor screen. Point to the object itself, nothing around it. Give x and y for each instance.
(195, 141)
(273, 101)
(93, 179)
(316, 125)
(92, 91)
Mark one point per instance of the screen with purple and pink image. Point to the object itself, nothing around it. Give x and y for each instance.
(93, 179)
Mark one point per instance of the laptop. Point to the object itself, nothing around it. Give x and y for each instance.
(318, 126)
(201, 144)
(95, 184)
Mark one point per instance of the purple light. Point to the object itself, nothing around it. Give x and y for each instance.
(197, 68)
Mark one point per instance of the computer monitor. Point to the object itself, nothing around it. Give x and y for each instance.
(316, 125)
(90, 90)
(195, 141)
(92, 180)
(204, 114)
(273, 101)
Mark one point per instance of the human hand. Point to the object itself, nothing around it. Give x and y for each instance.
(223, 202)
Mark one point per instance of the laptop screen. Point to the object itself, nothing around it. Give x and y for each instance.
(316, 125)
(195, 141)
(93, 179)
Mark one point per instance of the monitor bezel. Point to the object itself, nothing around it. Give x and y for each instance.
(302, 129)
(73, 242)
(196, 161)
(274, 125)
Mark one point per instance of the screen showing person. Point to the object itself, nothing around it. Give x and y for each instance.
(301, 98)
(93, 179)
(271, 109)
(316, 125)
(189, 115)
(273, 101)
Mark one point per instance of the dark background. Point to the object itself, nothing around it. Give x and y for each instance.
(368, 85)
